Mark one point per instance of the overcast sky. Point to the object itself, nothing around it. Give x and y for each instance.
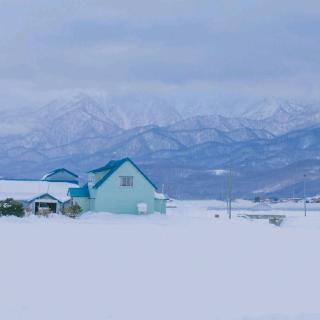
(182, 48)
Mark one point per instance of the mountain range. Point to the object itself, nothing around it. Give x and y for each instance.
(189, 151)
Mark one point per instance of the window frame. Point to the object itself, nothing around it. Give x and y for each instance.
(126, 181)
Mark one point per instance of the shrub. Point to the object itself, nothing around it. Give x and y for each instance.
(44, 212)
(10, 207)
(73, 211)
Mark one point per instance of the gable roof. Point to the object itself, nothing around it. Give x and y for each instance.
(112, 166)
(48, 175)
(99, 169)
(43, 195)
(160, 196)
(82, 192)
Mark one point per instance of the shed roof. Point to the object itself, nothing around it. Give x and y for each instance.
(51, 173)
(82, 192)
(39, 196)
(160, 196)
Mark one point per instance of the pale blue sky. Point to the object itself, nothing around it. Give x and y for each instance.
(190, 48)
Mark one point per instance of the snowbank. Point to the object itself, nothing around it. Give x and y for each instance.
(186, 265)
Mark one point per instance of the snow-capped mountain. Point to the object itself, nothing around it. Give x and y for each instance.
(137, 112)
(175, 147)
(263, 109)
(280, 116)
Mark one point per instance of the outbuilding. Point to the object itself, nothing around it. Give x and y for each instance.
(48, 194)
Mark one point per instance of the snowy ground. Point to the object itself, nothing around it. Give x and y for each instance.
(186, 265)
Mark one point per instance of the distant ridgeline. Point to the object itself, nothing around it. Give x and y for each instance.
(269, 148)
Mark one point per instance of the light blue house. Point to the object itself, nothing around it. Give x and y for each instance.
(119, 187)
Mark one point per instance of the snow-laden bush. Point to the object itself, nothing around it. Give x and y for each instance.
(10, 207)
(73, 211)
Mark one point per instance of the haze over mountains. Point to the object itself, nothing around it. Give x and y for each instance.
(188, 148)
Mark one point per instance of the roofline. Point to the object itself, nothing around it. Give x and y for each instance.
(99, 169)
(81, 196)
(44, 194)
(58, 170)
(165, 197)
(107, 166)
(112, 171)
(39, 180)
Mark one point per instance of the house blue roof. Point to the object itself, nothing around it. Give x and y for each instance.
(82, 192)
(59, 170)
(110, 165)
(113, 166)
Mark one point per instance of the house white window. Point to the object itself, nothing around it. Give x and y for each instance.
(126, 181)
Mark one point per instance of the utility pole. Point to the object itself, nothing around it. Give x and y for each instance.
(304, 195)
(229, 206)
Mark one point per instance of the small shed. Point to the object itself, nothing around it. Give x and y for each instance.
(160, 202)
(44, 202)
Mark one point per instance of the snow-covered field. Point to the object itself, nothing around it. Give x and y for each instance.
(185, 265)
